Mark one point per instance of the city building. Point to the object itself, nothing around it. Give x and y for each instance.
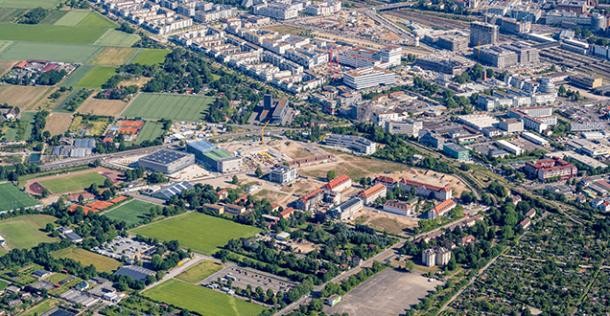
(456, 151)
(347, 209)
(307, 201)
(441, 209)
(509, 147)
(440, 193)
(283, 175)
(166, 192)
(398, 207)
(443, 255)
(428, 257)
(436, 257)
(356, 144)
(338, 184)
(368, 77)
(214, 158)
(495, 56)
(410, 128)
(234, 209)
(511, 125)
(550, 169)
(483, 34)
(166, 161)
(442, 65)
(371, 194)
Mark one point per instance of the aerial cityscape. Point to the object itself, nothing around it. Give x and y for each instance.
(304, 157)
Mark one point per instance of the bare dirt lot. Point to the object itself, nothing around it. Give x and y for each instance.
(25, 97)
(393, 224)
(390, 292)
(58, 123)
(102, 107)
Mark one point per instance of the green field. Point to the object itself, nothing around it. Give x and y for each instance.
(50, 33)
(56, 52)
(117, 38)
(40, 308)
(22, 129)
(199, 232)
(201, 300)
(96, 20)
(200, 271)
(150, 56)
(76, 76)
(10, 14)
(29, 4)
(131, 212)
(25, 231)
(96, 77)
(73, 183)
(72, 18)
(12, 198)
(150, 132)
(168, 106)
(86, 258)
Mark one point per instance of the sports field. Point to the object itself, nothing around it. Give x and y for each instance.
(12, 198)
(169, 106)
(201, 300)
(96, 77)
(72, 182)
(199, 232)
(150, 132)
(72, 18)
(131, 212)
(200, 271)
(150, 56)
(114, 56)
(25, 231)
(29, 4)
(57, 52)
(86, 258)
(117, 38)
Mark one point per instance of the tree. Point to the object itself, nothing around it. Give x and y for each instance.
(331, 174)
(235, 180)
(259, 172)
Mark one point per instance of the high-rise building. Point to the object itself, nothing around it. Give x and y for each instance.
(483, 34)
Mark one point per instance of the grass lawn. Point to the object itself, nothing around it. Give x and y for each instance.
(72, 18)
(94, 126)
(201, 300)
(40, 308)
(96, 77)
(150, 132)
(199, 232)
(12, 198)
(22, 130)
(114, 56)
(117, 38)
(131, 212)
(86, 258)
(169, 106)
(73, 183)
(48, 51)
(200, 271)
(29, 4)
(25, 231)
(150, 56)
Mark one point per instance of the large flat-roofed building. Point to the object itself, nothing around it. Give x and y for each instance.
(442, 65)
(347, 209)
(214, 158)
(495, 56)
(441, 193)
(456, 151)
(166, 161)
(283, 175)
(368, 77)
(357, 144)
(551, 169)
(483, 34)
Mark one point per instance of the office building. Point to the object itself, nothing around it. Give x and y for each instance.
(495, 56)
(483, 34)
(442, 65)
(166, 161)
(456, 151)
(356, 144)
(214, 158)
(283, 175)
(368, 77)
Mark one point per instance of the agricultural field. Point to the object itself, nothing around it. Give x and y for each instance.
(102, 107)
(29, 4)
(69, 53)
(86, 258)
(199, 232)
(58, 123)
(10, 14)
(40, 308)
(72, 18)
(114, 56)
(93, 126)
(168, 106)
(25, 231)
(117, 39)
(72, 182)
(12, 198)
(200, 271)
(96, 77)
(131, 212)
(56, 34)
(200, 299)
(25, 97)
(149, 132)
(150, 56)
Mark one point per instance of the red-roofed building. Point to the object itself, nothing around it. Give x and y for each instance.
(551, 169)
(525, 223)
(307, 201)
(286, 213)
(373, 193)
(338, 184)
(387, 181)
(441, 209)
(426, 190)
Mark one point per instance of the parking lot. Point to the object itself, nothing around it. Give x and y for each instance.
(242, 277)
